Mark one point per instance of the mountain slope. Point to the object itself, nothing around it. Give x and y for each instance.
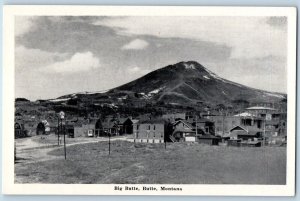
(184, 83)
(192, 82)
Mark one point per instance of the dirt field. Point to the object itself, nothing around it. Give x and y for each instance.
(180, 163)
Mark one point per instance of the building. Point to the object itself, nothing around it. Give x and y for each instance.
(19, 130)
(111, 126)
(150, 131)
(125, 125)
(188, 130)
(85, 128)
(183, 131)
(45, 127)
(223, 124)
(274, 120)
(208, 139)
(246, 133)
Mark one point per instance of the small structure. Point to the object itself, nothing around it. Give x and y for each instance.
(19, 130)
(40, 129)
(99, 129)
(251, 144)
(69, 129)
(125, 125)
(110, 126)
(234, 142)
(208, 139)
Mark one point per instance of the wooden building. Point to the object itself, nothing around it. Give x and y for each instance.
(208, 139)
(125, 125)
(19, 130)
(150, 131)
(246, 133)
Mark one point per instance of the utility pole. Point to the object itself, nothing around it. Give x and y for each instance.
(65, 149)
(196, 129)
(264, 132)
(62, 116)
(223, 132)
(58, 131)
(109, 134)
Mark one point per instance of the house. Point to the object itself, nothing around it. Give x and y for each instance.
(183, 131)
(188, 130)
(110, 126)
(223, 124)
(246, 133)
(45, 127)
(19, 130)
(274, 120)
(85, 128)
(150, 131)
(204, 126)
(125, 125)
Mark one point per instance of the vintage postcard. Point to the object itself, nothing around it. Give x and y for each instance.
(132, 100)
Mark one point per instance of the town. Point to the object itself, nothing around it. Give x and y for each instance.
(258, 125)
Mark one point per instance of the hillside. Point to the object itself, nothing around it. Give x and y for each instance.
(191, 82)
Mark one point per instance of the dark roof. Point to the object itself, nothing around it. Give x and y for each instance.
(203, 120)
(109, 123)
(239, 128)
(122, 120)
(208, 136)
(185, 122)
(183, 130)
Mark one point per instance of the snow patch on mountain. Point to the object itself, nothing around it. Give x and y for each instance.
(206, 77)
(274, 95)
(189, 66)
(59, 99)
(94, 92)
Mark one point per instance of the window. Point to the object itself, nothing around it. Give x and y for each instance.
(258, 124)
(148, 127)
(154, 127)
(137, 127)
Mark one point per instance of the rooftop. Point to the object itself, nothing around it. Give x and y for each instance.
(260, 108)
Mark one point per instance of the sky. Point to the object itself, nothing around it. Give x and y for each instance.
(59, 55)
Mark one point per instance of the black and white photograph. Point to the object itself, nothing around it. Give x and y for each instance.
(146, 101)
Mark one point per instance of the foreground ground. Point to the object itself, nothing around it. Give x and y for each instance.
(180, 163)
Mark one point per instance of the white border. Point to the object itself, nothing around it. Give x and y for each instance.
(107, 189)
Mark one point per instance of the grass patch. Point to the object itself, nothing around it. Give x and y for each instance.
(141, 163)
